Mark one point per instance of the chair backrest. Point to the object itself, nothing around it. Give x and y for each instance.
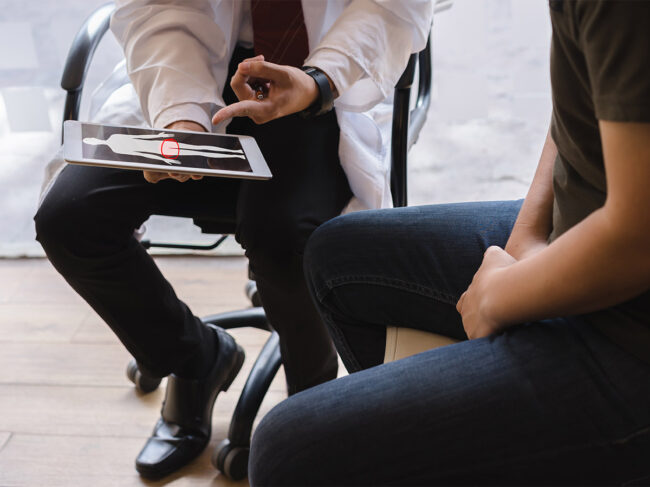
(80, 56)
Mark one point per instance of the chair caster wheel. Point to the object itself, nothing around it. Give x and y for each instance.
(232, 461)
(142, 382)
(252, 294)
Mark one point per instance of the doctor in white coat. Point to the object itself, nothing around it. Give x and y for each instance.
(324, 131)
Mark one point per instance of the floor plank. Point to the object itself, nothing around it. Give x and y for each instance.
(99, 411)
(84, 364)
(45, 322)
(82, 461)
(93, 329)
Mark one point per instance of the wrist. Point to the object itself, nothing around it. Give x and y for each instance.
(324, 101)
(493, 304)
(335, 92)
(521, 248)
(188, 125)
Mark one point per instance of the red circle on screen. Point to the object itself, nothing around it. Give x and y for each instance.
(170, 149)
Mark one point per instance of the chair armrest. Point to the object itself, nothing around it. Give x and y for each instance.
(80, 55)
(406, 123)
(423, 101)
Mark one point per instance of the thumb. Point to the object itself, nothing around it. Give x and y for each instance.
(459, 305)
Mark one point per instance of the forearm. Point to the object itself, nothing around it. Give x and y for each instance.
(535, 219)
(598, 263)
(171, 49)
(372, 40)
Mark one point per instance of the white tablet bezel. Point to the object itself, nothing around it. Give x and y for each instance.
(72, 149)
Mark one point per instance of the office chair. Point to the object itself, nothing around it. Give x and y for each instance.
(231, 456)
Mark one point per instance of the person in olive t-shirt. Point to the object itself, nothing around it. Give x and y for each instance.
(553, 385)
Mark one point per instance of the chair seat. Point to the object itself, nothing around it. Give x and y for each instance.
(404, 342)
(219, 224)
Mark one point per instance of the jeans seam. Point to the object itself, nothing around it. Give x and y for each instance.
(425, 291)
(345, 350)
(348, 357)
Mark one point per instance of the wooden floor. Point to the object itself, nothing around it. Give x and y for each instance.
(68, 415)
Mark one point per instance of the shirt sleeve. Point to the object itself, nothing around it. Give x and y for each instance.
(199, 113)
(171, 49)
(615, 39)
(371, 42)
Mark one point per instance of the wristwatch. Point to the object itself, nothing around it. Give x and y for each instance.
(325, 102)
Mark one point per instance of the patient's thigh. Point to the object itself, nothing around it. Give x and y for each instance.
(404, 267)
(546, 403)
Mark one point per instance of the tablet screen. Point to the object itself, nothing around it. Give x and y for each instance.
(156, 147)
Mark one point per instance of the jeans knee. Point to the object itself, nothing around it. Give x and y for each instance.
(272, 449)
(327, 249)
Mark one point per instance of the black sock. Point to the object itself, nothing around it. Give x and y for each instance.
(198, 366)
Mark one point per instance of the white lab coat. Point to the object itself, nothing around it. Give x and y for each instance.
(363, 45)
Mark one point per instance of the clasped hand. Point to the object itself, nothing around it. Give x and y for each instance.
(476, 305)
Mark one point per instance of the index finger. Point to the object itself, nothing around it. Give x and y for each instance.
(246, 108)
(263, 69)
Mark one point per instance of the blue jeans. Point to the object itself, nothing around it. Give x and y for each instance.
(549, 402)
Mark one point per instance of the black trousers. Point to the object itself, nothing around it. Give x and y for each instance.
(86, 225)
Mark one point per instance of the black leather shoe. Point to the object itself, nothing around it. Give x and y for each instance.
(185, 425)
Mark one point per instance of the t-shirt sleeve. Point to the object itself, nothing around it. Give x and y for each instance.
(614, 36)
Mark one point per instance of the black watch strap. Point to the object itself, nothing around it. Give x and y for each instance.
(325, 101)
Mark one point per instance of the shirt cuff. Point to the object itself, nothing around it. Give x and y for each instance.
(192, 112)
(341, 69)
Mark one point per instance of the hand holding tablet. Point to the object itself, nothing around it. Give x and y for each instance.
(155, 176)
(181, 153)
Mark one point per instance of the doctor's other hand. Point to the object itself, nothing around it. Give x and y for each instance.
(476, 305)
(155, 176)
(286, 90)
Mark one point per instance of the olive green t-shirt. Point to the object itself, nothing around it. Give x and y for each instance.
(600, 70)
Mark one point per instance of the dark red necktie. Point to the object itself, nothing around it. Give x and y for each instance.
(279, 31)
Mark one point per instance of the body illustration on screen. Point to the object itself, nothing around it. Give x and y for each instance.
(161, 147)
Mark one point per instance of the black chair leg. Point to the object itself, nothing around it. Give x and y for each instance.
(231, 456)
(254, 317)
(143, 383)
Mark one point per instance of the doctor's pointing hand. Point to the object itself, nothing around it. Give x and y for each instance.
(267, 91)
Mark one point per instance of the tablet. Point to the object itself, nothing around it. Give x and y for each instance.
(177, 151)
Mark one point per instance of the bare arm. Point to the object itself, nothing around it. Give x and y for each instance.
(602, 261)
(535, 220)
